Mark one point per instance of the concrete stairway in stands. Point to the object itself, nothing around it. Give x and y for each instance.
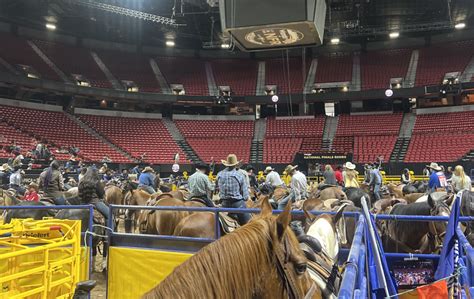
(330, 128)
(404, 136)
(115, 83)
(469, 157)
(49, 62)
(468, 72)
(256, 149)
(260, 90)
(179, 139)
(211, 82)
(356, 82)
(308, 86)
(411, 72)
(100, 137)
(165, 88)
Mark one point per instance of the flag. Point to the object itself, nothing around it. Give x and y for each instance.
(375, 277)
(436, 290)
(447, 264)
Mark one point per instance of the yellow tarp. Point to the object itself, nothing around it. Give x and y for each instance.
(132, 271)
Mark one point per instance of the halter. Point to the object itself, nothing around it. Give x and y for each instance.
(283, 258)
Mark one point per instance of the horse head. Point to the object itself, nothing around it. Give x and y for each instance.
(291, 262)
(438, 228)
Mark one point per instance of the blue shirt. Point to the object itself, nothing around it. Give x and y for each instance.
(437, 180)
(146, 179)
(232, 185)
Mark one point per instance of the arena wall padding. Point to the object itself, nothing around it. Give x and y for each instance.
(133, 271)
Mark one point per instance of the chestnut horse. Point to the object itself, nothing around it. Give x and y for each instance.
(259, 260)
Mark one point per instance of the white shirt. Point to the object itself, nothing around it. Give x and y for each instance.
(299, 185)
(273, 178)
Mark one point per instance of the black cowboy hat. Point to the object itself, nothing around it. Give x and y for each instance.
(250, 167)
(202, 166)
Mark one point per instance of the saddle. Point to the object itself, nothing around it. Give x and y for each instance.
(199, 200)
(228, 224)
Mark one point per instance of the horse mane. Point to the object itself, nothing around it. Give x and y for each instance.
(416, 208)
(245, 254)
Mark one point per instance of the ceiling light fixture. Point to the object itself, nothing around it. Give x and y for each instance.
(460, 26)
(50, 26)
(170, 43)
(394, 34)
(225, 46)
(335, 41)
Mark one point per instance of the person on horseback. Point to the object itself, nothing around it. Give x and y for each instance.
(200, 187)
(5, 172)
(375, 182)
(406, 177)
(460, 181)
(298, 187)
(338, 175)
(233, 188)
(91, 191)
(146, 181)
(329, 177)
(16, 180)
(252, 178)
(273, 178)
(437, 177)
(51, 182)
(32, 193)
(350, 175)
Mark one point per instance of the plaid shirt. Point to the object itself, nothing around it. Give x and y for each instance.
(232, 185)
(199, 185)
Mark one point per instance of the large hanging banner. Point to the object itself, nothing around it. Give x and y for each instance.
(314, 163)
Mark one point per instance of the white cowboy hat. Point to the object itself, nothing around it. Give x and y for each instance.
(268, 169)
(231, 160)
(6, 167)
(349, 165)
(148, 169)
(290, 168)
(434, 166)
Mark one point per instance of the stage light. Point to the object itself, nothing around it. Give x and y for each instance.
(50, 26)
(225, 46)
(388, 93)
(460, 26)
(170, 43)
(275, 99)
(394, 35)
(335, 41)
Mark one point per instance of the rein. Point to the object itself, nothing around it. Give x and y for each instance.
(283, 257)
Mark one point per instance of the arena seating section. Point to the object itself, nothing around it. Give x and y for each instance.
(239, 74)
(280, 71)
(9, 134)
(378, 67)
(17, 51)
(75, 60)
(187, 71)
(434, 62)
(441, 137)
(285, 137)
(369, 136)
(217, 138)
(57, 129)
(137, 136)
(334, 69)
(131, 67)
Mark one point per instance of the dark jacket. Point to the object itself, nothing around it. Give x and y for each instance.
(53, 185)
(329, 178)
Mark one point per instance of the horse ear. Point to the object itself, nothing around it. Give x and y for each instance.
(283, 220)
(431, 201)
(308, 215)
(266, 208)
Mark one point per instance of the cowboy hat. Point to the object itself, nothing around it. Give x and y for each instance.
(6, 167)
(268, 169)
(349, 165)
(148, 169)
(434, 166)
(33, 185)
(231, 160)
(250, 167)
(202, 166)
(290, 168)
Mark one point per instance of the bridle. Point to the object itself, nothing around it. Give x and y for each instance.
(433, 231)
(288, 278)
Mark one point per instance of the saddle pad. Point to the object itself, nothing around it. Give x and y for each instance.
(227, 223)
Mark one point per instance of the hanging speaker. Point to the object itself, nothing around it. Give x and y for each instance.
(273, 24)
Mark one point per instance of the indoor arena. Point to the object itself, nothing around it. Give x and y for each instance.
(236, 149)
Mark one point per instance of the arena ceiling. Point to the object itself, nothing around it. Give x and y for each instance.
(198, 23)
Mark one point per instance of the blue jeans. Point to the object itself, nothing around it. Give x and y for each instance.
(243, 218)
(148, 189)
(102, 208)
(283, 202)
(377, 192)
